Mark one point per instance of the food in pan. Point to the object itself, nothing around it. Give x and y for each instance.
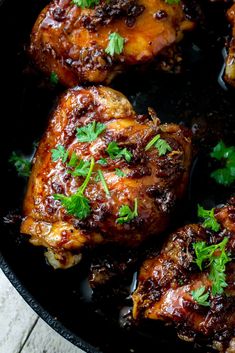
(103, 174)
(92, 41)
(191, 282)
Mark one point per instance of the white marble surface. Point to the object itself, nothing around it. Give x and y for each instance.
(21, 330)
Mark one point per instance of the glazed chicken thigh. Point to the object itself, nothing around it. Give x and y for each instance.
(103, 174)
(230, 61)
(72, 41)
(168, 284)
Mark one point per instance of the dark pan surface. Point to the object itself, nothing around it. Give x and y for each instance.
(195, 97)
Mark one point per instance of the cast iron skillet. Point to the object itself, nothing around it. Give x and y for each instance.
(196, 98)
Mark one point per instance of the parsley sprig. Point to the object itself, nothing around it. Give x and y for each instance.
(115, 151)
(209, 218)
(226, 175)
(215, 257)
(22, 164)
(81, 169)
(172, 2)
(126, 214)
(59, 153)
(103, 182)
(90, 132)
(119, 173)
(84, 4)
(77, 204)
(200, 296)
(160, 144)
(54, 79)
(116, 44)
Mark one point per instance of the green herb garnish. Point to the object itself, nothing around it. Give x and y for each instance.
(103, 181)
(172, 2)
(210, 221)
(77, 204)
(226, 175)
(200, 296)
(73, 160)
(116, 44)
(161, 145)
(22, 164)
(115, 151)
(90, 132)
(59, 153)
(54, 78)
(215, 257)
(85, 4)
(81, 169)
(102, 161)
(126, 214)
(119, 173)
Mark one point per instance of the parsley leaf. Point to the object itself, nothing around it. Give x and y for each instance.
(210, 221)
(90, 132)
(116, 44)
(115, 151)
(126, 214)
(22, 164)
(119, 173)
(102, 161)
(73, 160)
(84, 4)
(200, 296)
(54, 78)
(216, 257)
(161, 145)
(81, 169)
(77, 204)
(226, 175)
(59, 153)
(103, 181)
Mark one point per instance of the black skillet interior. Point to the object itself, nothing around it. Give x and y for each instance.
(194, 97)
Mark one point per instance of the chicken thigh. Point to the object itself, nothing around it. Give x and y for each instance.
(230, 60)
(93, 44)
(103, 174)
(172, 288)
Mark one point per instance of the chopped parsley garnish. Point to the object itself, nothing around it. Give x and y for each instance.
(115, 151)
(102, 161)
(85, 4)
(81, 169)
(226, 175)
(161, 145)
(116, 44)
(54, 78)
(103, 181)
(22, 164)
(200, 296)
(77, 204)
(59, 153)
(210, 221)
(172, 2)
(119, 173)
(126, 214)
(73, 160)
(90, 132)
(215, 257)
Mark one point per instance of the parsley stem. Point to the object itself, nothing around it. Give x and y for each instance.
(103, 181)
(135, 213)
(86, 181)
(152, 142)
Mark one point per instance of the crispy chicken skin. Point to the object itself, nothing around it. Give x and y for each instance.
(156, 181)
(71, 41)
(230, 61)
(166, 281)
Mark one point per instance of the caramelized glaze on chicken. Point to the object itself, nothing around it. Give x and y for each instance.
(167, 280)
(156, 182)
(230, 61)
(71, 41)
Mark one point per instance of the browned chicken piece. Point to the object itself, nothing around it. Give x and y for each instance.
(230, 61)
(71, 41)
(144, 182)
(167, 282)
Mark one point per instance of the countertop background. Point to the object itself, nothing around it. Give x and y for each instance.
(21, 330)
